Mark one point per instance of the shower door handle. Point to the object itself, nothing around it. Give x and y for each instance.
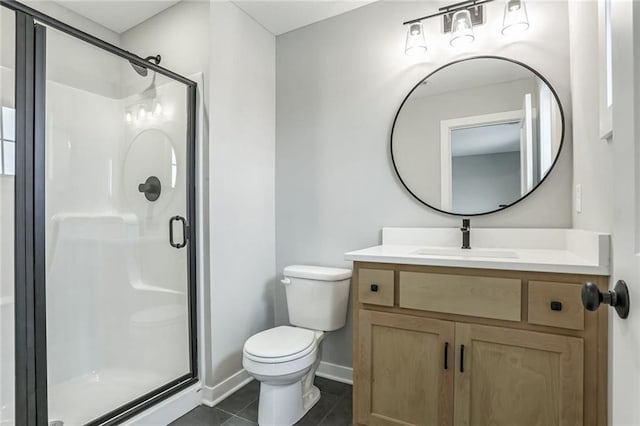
(184, 232)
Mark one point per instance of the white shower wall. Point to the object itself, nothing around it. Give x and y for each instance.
(78, 187)
(116, 290)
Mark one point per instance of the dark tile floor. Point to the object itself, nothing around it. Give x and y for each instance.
(241, 408)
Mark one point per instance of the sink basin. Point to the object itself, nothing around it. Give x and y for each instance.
(473, 252)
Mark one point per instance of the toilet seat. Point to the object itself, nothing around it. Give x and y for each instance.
(280, 344)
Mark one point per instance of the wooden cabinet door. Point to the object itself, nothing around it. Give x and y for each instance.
(517, 378)
(401, 376)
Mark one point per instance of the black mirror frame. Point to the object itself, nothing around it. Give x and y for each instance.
(555, 161)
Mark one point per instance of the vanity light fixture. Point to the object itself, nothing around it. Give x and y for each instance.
(416, 43)
(459, 19)
(461, 28)
(515, 17)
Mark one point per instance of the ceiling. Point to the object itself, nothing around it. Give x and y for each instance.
(481, 140)
(117, 15)
(280, 17)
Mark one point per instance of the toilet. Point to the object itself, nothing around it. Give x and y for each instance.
(285, 359)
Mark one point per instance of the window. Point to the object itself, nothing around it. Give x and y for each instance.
(608, 48)
(7, 141)
(606, 69)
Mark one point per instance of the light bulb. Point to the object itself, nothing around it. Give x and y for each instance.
(461, 28)
(158, 109)
(416, 43)
(128, 117)
(515, 17)
(142, 113)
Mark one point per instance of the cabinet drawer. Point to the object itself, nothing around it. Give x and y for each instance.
(375, 286)
(567, 310)
(486, 297)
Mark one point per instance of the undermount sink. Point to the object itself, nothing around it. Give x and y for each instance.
(459, 252)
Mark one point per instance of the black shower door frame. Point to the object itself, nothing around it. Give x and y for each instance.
(30, 274)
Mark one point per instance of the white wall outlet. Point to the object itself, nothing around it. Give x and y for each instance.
(579, 198)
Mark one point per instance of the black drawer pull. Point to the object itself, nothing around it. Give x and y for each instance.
(556, 306)
(374, 288)
(462, 358)
(446, 355)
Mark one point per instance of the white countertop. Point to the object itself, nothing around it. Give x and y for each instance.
(538, 250)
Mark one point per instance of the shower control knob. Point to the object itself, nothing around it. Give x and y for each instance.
(151, 188)
(618, 298)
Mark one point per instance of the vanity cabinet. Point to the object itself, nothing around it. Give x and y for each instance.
(517, 377)
(458, 346)
(407, 370)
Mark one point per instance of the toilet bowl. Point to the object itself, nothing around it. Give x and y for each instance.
(285, 359)
(280, 359)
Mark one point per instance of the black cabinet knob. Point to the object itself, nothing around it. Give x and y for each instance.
(374, 287)
(556, 306)
(618, 298)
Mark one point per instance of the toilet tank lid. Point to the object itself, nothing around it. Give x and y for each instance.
(321, 273)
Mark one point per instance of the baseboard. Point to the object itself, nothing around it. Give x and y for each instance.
(335, 372)
(170, 409)
(211, 396)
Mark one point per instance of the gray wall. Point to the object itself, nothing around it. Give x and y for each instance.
(339, 84)
(592, 158)
(242, 193)
(481, 183)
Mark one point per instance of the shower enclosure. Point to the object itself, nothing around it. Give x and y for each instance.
(97, 250)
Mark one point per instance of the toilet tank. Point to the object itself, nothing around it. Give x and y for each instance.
(317, 296)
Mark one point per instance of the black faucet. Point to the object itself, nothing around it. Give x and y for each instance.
(466, 233)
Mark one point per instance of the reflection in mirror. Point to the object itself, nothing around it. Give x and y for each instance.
(477, 136)
(151, 153)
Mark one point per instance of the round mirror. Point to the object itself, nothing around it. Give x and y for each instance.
(477, 135)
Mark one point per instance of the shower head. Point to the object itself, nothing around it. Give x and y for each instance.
(141, 69)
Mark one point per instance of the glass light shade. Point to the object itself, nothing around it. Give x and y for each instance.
(515, 17)
(416, 43)
(461, 28)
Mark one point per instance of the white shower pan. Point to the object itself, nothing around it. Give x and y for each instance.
(75, 402)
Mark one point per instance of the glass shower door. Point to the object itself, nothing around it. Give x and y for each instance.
(119, 317)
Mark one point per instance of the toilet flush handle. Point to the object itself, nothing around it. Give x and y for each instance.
(285, 281)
